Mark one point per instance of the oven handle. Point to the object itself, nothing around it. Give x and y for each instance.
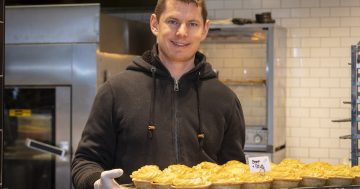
(43, 147)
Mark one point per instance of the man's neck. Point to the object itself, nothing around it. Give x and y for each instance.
(177, 69)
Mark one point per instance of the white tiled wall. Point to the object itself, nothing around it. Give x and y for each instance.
(320, 33)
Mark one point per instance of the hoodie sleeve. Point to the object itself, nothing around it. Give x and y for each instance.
(95, 151)
(232, 147)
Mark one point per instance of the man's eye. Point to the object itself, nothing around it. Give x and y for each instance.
(193, 24)
(172, 22)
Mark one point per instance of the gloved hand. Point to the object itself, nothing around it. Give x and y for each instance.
(107, 181)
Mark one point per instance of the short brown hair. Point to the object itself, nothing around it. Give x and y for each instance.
(160, 7)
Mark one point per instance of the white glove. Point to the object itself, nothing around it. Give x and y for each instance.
(107, 181)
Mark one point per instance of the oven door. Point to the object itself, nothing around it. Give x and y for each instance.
(40, 114)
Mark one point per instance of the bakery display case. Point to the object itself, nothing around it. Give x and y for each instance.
(250, 59)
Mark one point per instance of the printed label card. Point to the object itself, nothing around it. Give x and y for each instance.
(259, 164)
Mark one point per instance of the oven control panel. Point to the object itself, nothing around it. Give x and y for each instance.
(256, 139)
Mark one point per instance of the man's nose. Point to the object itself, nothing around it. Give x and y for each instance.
(182, 30)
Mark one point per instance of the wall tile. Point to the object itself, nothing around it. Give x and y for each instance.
(271, 3)
(309, 102)
(329, 103)
(337, 132)
(339, 52)
(310, 3)
(298, 32)
(290, 22)
(319, 152)
(330, 42)
(339, 153)
(319, 92)
(330, 82)
(355, 11)
(293, 42)
(311, 42)
(299, 132)
(299, 92)
(243, 14)
(310, 82)
(215, 4)
(310, 22)
(298, 72)
(310, 122)
(290, 3)
(252, 3)
(350, 21)
(298, 152)
(223, 14)
(319, 12)
(340, 113)
(234, 4)
(355, 31)
(319, 32)
(299, 52)
(339, 32)
(329, 62)
(330, 22)
(340, 92)
(292, 102)
(345, 144)
(309, 160)
(348, 41)
(293, 122)
(349, 3)
(319, 72)
(319, 112)
(280, 13)
(310, 62)
(330, 3)
(309, 142)
(319, 52)
(292, 142)
(319, 132)
(300, 12)
(329, 143)
(339, 12)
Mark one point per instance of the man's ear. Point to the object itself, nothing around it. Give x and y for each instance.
(206, 29)
(154, 25)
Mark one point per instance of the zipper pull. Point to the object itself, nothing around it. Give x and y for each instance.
(176, 85)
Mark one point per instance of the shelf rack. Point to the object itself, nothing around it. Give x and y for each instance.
(355, 101)
(243, 82)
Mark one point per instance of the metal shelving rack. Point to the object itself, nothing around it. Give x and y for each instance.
(355, 102)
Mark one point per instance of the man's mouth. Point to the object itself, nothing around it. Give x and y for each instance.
(180, 44)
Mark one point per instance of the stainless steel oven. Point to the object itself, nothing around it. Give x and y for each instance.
(50, 80)
(39, 113)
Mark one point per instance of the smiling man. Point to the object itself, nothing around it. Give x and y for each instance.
(179, 28)
(167, 107)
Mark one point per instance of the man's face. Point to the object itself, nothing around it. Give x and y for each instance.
(179, 31)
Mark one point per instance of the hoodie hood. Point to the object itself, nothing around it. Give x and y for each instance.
(150, 60)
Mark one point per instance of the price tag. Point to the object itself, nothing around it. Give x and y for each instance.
(259, 164)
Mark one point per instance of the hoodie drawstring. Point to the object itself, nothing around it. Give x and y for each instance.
(200, 134)
(152, 126)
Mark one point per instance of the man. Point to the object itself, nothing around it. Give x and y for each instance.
(167, 108)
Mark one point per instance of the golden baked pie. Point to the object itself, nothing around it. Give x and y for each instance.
(146, 173)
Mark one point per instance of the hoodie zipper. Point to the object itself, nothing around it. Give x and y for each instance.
(176, 85)
(176, 122)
